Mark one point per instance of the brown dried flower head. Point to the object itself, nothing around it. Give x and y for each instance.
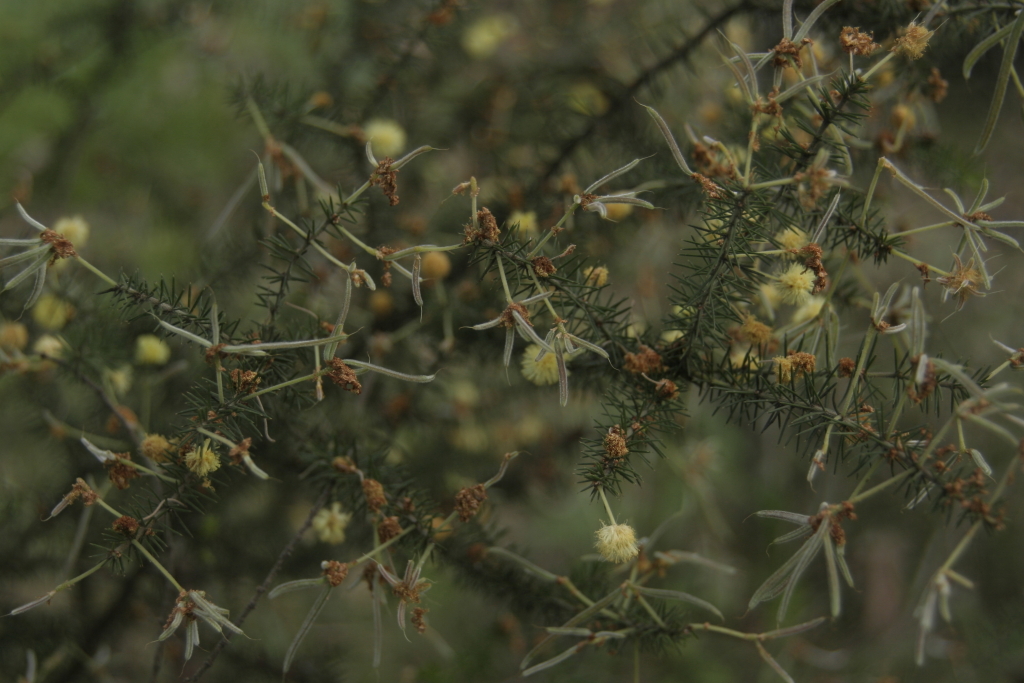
(374, 492)
(786, 50)
(938, 87)
(962, 282)
(509, 320)
(543, 266)
(388, 529)
(121, 474)
(846, 367)
(644, 360)
(913, 42)
(335, 572)
(615, 442)
(126, 526)
(755, 331)
(710, 187)
(245, 381)
(60, 247)
(387, 179)
(468, 500)
(854, 42)
(488, 229)
(343, 376)
(417, 619)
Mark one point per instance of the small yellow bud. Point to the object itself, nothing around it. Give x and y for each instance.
(156, 448)
(483, 38)
(618, 212)
(151, 350)
(119, 380)
(617, 542)
(387, 136)
(435, 266)
(48, 345)
(596, 276)
(13, 336)
(51, 312)
(527, 221)
(330, 523)
(75, 230)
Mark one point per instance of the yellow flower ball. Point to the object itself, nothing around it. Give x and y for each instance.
(527, 221)
(156, 448)
(616, 542)
(618, 212)
(13, 336)
(542, 372)
(119, 380)
(595, 276)
(330, 523)
(483, 38)
(48, 345)
(151, 350)
(51, 312)
(809, 311)
(74, 229)
(794, 285)
(387, 136)
(203, 460)
(436, 265)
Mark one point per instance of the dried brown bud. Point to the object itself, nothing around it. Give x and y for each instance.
(644, 360)
(856, 43)
(245, 381)
(335, 572)
(388, 529)
(343, 376)
(846, 367)
(374, 493)
(120, 473)
(615, 442)
(60, 247)
(126, 525)
(417, 619)
(543, 266)
(240, 450)
(387, 179)
(467, 501)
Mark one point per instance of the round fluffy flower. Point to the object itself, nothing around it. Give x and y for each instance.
(544, 371)
(51, 312)
(482, 39)
(616, 542)
(792, 238)
(48, 345)
(156, 447)
(794, 285)
(809, 311)
(120, 380)
(329, 524)
(596, 276)
(202, 460)
(436, 265)
(151, 350)
(13, 336)
(387, 136)
(74, 229)
(527, 221)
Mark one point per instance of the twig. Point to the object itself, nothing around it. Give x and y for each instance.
(263, 587)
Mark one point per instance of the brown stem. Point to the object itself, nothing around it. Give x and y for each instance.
(263, 587)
